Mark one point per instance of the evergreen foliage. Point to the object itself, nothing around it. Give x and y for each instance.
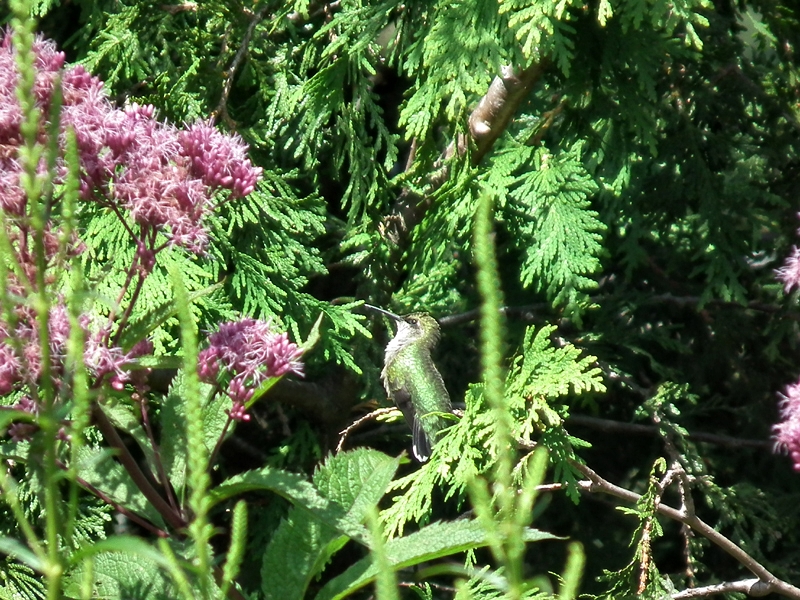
(594, 198)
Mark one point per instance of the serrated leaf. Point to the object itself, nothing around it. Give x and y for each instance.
(124, 572)
(173, 428)
(356, 480)
(298, 491)
(98, 468)
(429, 543)
(302, 545)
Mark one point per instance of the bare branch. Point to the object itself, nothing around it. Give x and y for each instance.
(768, 583)
(496, 109)
(609, 426)
(486, 123)
(222, 107)
(368, 417)
(751, 587)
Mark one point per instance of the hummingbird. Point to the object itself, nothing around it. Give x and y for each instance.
(412, 380)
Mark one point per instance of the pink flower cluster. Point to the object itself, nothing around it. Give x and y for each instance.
(789, 273)
(101, 360)
(787, 432)
(162, 177)
(244, 354)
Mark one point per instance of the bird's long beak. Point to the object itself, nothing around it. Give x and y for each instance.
(384, 312)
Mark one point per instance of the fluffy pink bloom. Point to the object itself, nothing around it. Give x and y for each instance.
(248, 353)
(787, 432)
(789, 273)
(100, 359)
(23, 431)
(162, 177)
(9, 368)
(219, 160)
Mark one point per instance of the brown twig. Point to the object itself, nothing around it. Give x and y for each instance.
(609, 426)
(495, 110)
(487, 122)
(368, 417)
(222, 106)
(132, 467)
(767, 583)
(751, 587)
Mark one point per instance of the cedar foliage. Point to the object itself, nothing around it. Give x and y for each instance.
(644, 194)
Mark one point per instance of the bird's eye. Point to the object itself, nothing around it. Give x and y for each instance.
(413, 321)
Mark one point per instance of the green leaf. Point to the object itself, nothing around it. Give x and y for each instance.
(127, 569)
(295, 489)
(120, 543)
(356, 480)
(295, 554)
(429, 543)
(97, 468)
(174, 446)
(313, 335)
(302, 544)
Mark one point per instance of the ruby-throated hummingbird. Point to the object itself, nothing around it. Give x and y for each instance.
(412, 380)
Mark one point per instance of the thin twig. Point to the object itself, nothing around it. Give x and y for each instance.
(751, 587)
(222, 107)
(609, 426)
(132, 467)
(368, 417)
(487, 122)
(769, 583)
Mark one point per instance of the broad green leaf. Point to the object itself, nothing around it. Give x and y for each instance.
(173, 428)
(120, 543)
(429, 543)
(298, 491)
(302, 545)
(122, 575)
(356, 480)
(292, 556)
(100, 470)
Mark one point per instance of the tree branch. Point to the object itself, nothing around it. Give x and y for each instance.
(751, 587)
(609, 426)
(496, 109)
(486, 124)
(222, 107)
(768, 583)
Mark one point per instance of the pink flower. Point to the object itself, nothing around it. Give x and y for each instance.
(9, 368)
(787, 432)
(789, 273)
(249, 353)
(162, 177)
(100, 359)
(219, 160)
(19, 432)
(103, 360)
